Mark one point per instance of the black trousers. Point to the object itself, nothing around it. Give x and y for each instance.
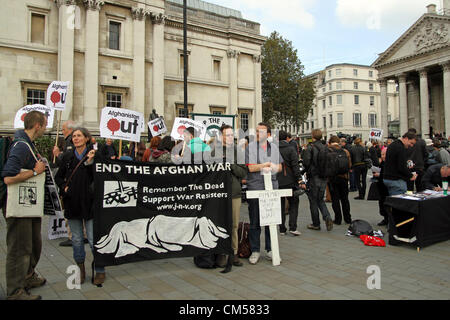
(361, 177)
(293, 212)
(339, 197)
(417, 182)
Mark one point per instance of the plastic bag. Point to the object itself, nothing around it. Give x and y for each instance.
(372, 241)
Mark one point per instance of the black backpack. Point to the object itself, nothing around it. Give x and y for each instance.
(331, 162)
(359, 227)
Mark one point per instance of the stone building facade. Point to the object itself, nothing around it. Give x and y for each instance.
(419, 61)
(347, 101)
(129, 54)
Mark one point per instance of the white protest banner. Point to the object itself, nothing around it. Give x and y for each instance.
(20, 115)
(376, 134)
(213, 123)
(57, 95)
(270, 211)
(157, 127)
(57, 226)
(180, 124)
(123, 124)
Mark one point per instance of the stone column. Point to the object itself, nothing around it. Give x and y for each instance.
(233, 56)
(403, 101)
(258, 98)
(138, 95)
(158, 21)
(424, 104)
(384, 107)
(66, 50)
(446, 72)
(90, 94)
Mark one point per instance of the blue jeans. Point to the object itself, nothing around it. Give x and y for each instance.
(395, 186)
(255, 229)
(76, 226)
(317, 187)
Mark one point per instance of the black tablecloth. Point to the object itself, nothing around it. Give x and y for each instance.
(431, 220)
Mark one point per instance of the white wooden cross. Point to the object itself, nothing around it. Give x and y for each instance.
(270, 211)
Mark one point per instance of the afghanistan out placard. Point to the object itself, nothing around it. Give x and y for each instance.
(180, 124)
(376, 134)
(123, 124)
(155, 211)
(57, 95)
(20, 115)
(157, 127)
(213, 123)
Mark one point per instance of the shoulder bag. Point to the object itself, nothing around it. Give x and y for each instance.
(26, 199)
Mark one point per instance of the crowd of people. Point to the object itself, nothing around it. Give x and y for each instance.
(397, 165)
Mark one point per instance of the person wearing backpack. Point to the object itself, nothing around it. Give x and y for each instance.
(359, 153)
(338, 184)
(289, 178)
(23, 235)
(313, 158)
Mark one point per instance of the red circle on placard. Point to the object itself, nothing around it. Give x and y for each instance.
(23, 116)
(180, 130)
(55, 97)
(372, 134)
(155, 128)
(113, 125)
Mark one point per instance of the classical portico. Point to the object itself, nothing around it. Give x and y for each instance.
(419, 61)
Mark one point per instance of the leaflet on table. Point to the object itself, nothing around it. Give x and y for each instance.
(427, 194)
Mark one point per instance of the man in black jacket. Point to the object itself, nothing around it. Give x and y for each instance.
(417, 154)
(432, 180)
(289, 178)
(317, 184)
(396, 172)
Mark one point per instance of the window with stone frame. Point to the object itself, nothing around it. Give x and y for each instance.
(324, 119)
(114, 34)
(357, 119)
(356, 99)
(340, 120)
(339, 99)
(372, 100)
(36, 96)
(331, 120)
(244, 119)
(217, 110)
(372, 120)
(114, 99)
(355, 85)
(371, 86)
(181, 111)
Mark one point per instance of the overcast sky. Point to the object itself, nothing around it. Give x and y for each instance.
(325, 32)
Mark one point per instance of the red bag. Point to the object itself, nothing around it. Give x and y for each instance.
(372, 241)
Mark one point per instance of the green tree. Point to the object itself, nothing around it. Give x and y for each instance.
(286, 95)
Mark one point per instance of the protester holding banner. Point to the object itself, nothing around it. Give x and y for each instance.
(163, 153)
(261, 157)
(67, 129)
(23, 237)
(226, 151)
(108, 150)
(75, 180)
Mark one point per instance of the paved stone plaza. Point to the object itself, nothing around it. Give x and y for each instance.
(316, 265)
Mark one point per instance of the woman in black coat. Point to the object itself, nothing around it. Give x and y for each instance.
(74, 178)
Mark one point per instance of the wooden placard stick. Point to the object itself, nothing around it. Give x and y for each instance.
(404, 222)
(120, 148)
(57, 133)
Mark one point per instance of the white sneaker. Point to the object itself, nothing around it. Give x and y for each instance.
(254, 257)
(295, 233)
